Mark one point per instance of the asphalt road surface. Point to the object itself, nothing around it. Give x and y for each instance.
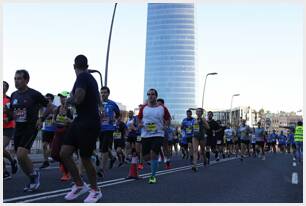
(278, 179)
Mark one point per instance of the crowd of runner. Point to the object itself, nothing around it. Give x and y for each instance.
(86, 115)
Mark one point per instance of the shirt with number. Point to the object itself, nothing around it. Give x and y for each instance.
(153, 120)
(187, 126)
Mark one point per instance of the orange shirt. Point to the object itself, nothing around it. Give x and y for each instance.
(10, 124)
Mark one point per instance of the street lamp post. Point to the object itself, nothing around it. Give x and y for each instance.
(213, 73)
(96, 71)
(234, 95)
(108, 46)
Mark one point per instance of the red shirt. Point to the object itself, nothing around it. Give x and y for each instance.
(10, 124)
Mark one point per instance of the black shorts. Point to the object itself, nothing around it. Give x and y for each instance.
(170, 142)
(189, 139)
(260, 143)
(25, 134)
(211, 141)
(151, 143)
(175, 141)
(83, 136)
(106, 140)
(293, 146)
(131, 139)
(229, 142)
(8, 132)
(184, 146)
(246, 142)
(47, 136)
(119, 143)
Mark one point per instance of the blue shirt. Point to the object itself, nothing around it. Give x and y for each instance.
(259, 134)
(290, 139)
(282, 139)
(88, 110)
(110, 108)
(188, 126)
(272, 137)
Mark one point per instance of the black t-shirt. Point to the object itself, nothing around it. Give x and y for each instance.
(220, 133)
(26, 105)
(88, 111)
(213, 126)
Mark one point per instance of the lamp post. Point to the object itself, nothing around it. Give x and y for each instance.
(108, 46)
(234, 95)
(213, 73)
(96, 71)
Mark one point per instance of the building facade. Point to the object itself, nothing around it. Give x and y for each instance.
(170, 56)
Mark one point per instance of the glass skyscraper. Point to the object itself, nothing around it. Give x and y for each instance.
(170, 56)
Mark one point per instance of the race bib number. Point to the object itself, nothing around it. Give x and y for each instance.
(48, 122)
(21, 115)
(138, 138)
(219, 142)
(60, 119)
(151, 128)
(188, 130)
(117, 135)
(196, 128)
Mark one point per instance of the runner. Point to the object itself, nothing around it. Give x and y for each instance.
(25, 104)
(110, 112)
(244, 133)
(211, 136)
(290, 142)
(48, 132)
(165, 150)
(119, 140)
(253, 141)
(220, 141)
(83, 132)
(272, 140)
(8, 133)
(298, 138)
(138, 144)
(176, 140)
(229, 134)
(199, 138)
(153, 119)
(183, 145)
(171, 133)
(282, 139)
(132, 133)
(260, 139)
(62, 119)
(187, 127)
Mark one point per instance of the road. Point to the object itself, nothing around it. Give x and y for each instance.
(228, 181)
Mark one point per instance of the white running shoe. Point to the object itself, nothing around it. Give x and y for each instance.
(76, 191)
(93, 197)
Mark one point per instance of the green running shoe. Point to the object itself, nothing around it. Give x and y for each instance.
(152, 180)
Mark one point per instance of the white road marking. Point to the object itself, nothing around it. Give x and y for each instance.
(295, 178)
(51, 194)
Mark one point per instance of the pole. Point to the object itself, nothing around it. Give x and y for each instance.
(96, 71)
(108, 46)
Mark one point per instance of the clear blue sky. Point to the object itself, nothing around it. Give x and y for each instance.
(257, 49)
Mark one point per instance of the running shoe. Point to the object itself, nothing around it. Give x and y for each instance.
(14, 166)
(140, 166)
(100, 173)
(193, 168)
(65, 177)
(152, 180)
(34, 183)
(44, 165)
(93, 197)
(76, 191)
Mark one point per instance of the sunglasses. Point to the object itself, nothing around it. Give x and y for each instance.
(151, 94)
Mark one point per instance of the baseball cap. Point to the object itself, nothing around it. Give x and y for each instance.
(63, 94)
